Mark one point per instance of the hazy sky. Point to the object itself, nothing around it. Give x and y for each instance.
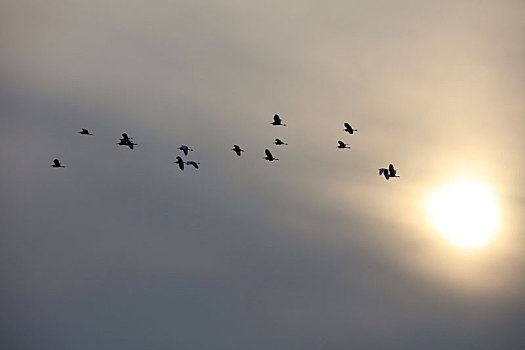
(121, 250)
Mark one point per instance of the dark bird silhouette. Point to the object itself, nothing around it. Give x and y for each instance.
(388, 173)
(127, 141)
(185, 149)
(279, 142)
(180, 162)
(349, 129)
(269, 156)
(342, 145)
(277, 120)
(237, 150)
(84, 132)
(193, 163)
(56, 164)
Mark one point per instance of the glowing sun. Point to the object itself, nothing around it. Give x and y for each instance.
(466, 213)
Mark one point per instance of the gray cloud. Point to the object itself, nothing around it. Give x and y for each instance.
(122, 250)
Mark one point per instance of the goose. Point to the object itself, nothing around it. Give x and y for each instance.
(388, 173)
(342, 145)
(237, 150)
(279, 142)
(85, 132)
(56, 164)
(277, 120)
(269, 156)
(349, 129)
(185, 149)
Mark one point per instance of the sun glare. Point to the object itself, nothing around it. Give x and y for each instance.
(466, 213)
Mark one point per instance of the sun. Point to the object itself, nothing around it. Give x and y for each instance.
(466, 213)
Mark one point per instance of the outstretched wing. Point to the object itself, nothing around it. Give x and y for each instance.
(277, 119)
(56, 162)
(268, 153)
(341, 144)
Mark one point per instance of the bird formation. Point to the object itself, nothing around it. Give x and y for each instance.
(277, 121)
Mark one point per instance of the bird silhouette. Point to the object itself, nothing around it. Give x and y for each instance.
(180, 162)
(237, 150)
(269, 156)
(193, 163)
(279, 142)
(388, 173)
(185, 149)
(349, 129)
(277, 120)
(56, 164)
(127, 141)
(342, 145)
(84, 132)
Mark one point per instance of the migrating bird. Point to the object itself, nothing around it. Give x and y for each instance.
(193, 163)
(56, 164)
(342, 145)
(185, 149)
(180, 162)
(277, 120)
(269, 156)
(237, 150)
(84, 132)
(126, 141)
(349, 129)
(279, 142)
(390, 172)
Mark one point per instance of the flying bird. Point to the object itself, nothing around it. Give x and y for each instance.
(388, 173)
(127, 141)
(85, 132)
(349, 129)
(193, 163)
(279, 142)
(269, 156)
(180, 162)
(56, 164)
(185, 149)
(237, 150)
(277, 120)
(342, 145)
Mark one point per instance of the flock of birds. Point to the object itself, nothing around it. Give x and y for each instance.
(277, 121)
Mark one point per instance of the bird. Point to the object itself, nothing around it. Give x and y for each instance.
(126, 141)
(56, 164)
(193, 163)
(269, 156)
(388, 173)
(279, 142)
(349, 129)
(180, 162)
(185, 149)
(85, 132)
(342, 145)
(277, 120)
(237, 150)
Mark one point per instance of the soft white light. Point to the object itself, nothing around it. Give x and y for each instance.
(465, 212)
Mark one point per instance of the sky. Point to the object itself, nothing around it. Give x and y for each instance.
(122, 250)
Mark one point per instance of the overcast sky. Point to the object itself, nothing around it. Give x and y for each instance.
(122, 250)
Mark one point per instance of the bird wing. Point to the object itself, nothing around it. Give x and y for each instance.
(386, 175)
(56, 162)
(341, 144)
(277, 119)
(268, 153)
(392, 170)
